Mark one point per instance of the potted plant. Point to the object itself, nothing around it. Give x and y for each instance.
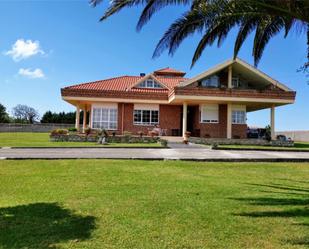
(186, 138)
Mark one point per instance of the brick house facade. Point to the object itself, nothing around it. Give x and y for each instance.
(213, 104)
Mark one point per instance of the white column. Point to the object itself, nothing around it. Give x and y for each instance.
(90, 117)
(77, 117)
(229, 78)
(272, 123)
(229, 121)
(184, 119)
(84, 118)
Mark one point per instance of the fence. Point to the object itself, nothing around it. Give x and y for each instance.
(13, 127)
(298, 136)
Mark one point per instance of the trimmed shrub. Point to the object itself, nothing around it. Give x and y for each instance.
(72, 129)
(164, 142)
(59, 132)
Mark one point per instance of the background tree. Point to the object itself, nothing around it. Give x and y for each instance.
(4, 116)
(25, 114)
(60, 118)
(214, 19)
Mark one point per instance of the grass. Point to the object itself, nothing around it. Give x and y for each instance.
(297, 146)
(94, 204)
(29, 139)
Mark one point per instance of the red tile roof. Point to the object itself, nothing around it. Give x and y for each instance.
(169, 71)
(120, 85)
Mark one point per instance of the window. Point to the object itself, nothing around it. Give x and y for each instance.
(146, 117)
(235, 82)
(212, 81)
(210, 113)
(149, 83)
(104, 118)
(238, 117)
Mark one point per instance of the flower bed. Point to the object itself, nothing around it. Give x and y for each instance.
(109, 139)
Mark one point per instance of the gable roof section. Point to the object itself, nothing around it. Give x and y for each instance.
(126, 83)
(169, 71)
(146, 77)
(241, 63)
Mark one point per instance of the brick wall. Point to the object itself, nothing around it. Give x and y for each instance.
(219, 130)
(169, 118)
(239, 131)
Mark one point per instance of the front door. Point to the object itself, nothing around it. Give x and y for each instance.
(190, 118)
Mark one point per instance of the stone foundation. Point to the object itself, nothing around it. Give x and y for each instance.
(110, 139)
(261, 142)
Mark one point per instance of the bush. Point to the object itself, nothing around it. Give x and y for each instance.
(87, 131)
(164, 142)
(59, 132)
(72, 129)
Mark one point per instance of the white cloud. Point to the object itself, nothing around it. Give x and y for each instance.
(33, 74)
(23, 49)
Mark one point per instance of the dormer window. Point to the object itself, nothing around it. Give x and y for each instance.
(212, 81)
(149, 83)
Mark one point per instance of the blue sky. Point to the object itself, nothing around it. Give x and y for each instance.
(71, 46)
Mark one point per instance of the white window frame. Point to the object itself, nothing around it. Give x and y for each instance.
(109, 107)
(209, 108)
(239, 111)
(150, 83)
(146, 107)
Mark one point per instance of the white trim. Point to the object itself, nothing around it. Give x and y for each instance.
(151, 107)
(146, 124)
(230, 62)
(215, 107)
(105, 105)
(108, 106)
(231, 99)
(146, 77)
(117, 100)
(239, 108)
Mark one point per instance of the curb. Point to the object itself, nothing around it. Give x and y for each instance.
(295, 160)
(261, 149)
(86, 147)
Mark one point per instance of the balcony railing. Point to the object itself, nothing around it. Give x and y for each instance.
(234, 92)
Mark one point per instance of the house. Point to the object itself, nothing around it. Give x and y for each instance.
(212, 104)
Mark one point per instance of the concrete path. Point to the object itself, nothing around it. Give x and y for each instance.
(203, 154)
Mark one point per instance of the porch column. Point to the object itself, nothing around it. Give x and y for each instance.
(90, 117)
(184, 118)
(84, 118)
(230, 75)
(77, 117)
(272, 123)
(229, 121)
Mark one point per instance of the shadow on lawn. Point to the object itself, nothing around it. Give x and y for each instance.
(295, 205)
(42, 225)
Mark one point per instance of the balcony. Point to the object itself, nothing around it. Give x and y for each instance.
(233, 93)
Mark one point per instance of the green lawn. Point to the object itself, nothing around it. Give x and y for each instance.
(27, 139)
(95, 204)
(297, 146)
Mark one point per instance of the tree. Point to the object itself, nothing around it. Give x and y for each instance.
(4, 116)
(25, 114)
(214, 19)
(60, 118)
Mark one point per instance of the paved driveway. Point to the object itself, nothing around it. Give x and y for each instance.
(159, 154)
